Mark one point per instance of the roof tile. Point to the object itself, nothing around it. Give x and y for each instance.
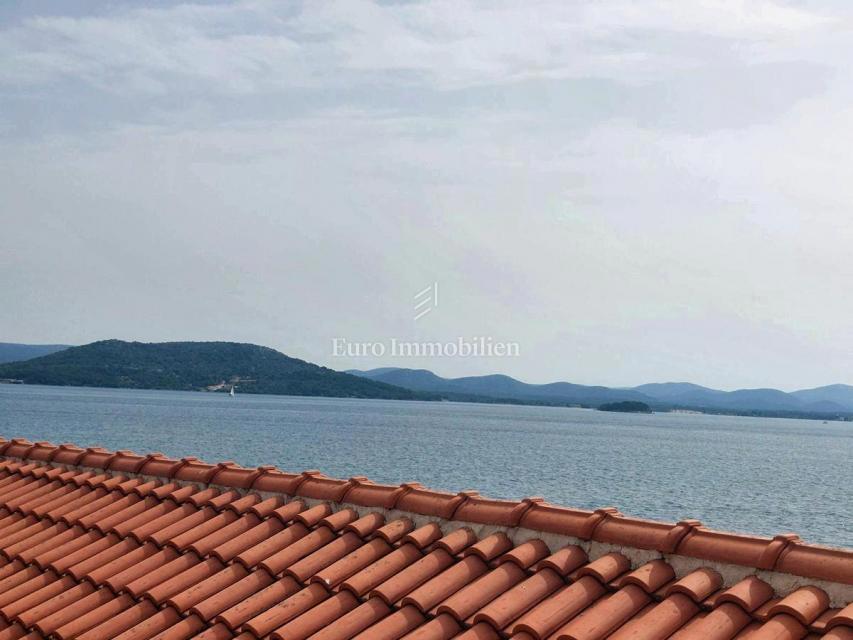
(194, 470)
(92, 552)
(555, 519)
(476, 595)
(722, 546)
(526, 554)
(565, 560)
(293, 606)
(805, 604)
(606, 615)
(385, 568)
(97, 457)
(448, 582)
(841, 618)
(482, 510)
(119, 623)
(303, 547)
(750, 593)
(320, 616)
(442, 627)
(780, 627)
(698, 584)
(319, 487)
(261, 605)
(42, 451)
(412, 576)
(457, 540)
(182, 630)
(664, 619)
(95, 617)
(513, 603)
(606, 568)
(490, 547)
(179, 577)
(313, 516)
(233, 595)
(75, 609)
(554, 612)
(266, 507)
(357, 620)
(365, 493)
(479, 632)
(264, 530)
(339, 519)
(396, 625)
(338, 548)
(651, 576)
(347, 566)
(366, 525)
(286, 513)
(127, 462)
(182, 600)
(824, 563)
(233, 475)
(156, 464)
(278, 482)
(18, 448)
(253, 556)
(424, 536)
(439, 504)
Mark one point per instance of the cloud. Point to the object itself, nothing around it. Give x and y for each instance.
(257, 46)
(605, 183)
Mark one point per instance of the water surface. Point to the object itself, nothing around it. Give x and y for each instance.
(744, 474)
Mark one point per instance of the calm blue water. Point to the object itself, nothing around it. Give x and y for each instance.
(743, 474)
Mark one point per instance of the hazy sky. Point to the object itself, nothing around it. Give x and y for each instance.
(631, 191)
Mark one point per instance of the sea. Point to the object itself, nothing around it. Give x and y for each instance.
(754, 475)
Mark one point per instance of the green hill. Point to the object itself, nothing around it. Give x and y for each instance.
(197, 366)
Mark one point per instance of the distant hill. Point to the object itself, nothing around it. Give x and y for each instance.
(836, 394)
(500, 386)
(835, 400)
(679, 392)
(195, 366)
(832, 399)
(13, 352)
(686, 394)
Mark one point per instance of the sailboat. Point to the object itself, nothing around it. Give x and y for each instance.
(231, 393)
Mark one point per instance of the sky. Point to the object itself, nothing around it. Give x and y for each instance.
(629, 192)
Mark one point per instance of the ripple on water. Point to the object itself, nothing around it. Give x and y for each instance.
(743, 474)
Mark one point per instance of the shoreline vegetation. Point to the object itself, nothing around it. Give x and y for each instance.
(217, 367)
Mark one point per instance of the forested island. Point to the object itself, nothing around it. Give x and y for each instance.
(628, 406)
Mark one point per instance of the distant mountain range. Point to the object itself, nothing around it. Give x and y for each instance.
(836, 398)
(831, 401)
(13, 352)
(197, 366)
(256, 369)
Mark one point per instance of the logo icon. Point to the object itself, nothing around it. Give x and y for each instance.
(426, 301)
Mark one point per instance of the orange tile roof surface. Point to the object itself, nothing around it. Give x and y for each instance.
(99, 544)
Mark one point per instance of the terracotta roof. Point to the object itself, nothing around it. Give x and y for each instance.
(98, 544)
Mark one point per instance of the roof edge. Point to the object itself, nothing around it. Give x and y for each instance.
(785, 553)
